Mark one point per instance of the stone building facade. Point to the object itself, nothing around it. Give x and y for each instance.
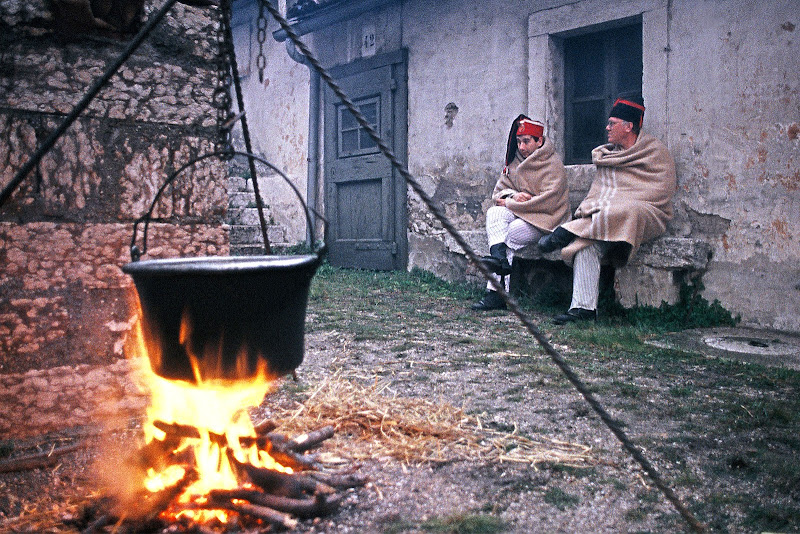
(719, 81)
(65, 305)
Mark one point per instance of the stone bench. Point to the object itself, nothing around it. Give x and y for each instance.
(653, 275)
(655, 272)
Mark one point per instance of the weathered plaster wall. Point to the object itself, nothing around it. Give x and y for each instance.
(734, 132)
(64, 302)
(277, 117)
(720, 84)
(466, 81)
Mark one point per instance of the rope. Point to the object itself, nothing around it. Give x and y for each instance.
(565, 368)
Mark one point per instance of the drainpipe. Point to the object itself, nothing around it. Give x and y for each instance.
(313, 132)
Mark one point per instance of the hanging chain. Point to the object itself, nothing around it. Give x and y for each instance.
(221, 99)
(261, 37)
(612, 424)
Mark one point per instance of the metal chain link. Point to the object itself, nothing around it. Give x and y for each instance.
(221, 99)
(261, 37)
(613, 425)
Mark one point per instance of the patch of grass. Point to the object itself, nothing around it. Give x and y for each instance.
(772, 517)
(396, 525)
(681, 391)
(713, 410)
(465, 524)
(636, 514)
(630, 391)
(690, 311)
(560, 498)
(618, 484)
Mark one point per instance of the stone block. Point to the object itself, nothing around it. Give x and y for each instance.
(674, 253)
(645, 286)
(654, 275)
(476, 239)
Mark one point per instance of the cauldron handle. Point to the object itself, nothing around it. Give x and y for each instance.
(137, 253)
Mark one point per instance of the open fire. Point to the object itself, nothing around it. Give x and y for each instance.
(204, 463)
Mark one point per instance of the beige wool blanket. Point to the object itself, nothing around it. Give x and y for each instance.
(630, 199)
(543, 176)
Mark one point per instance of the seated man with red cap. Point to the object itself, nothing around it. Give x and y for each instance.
(629, 202)
(531, 198)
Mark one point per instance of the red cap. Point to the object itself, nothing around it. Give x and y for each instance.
(529, 127)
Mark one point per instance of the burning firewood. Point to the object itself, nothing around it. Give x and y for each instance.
(340, 480)
(303, 442)
(263, 513)
(316, 506)
(152, 505)
(282, 484)
(264, 427)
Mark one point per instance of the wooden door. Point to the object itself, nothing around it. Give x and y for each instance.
(365, 198)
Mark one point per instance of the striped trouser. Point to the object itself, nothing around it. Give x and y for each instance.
(502, 226)
(586, 276)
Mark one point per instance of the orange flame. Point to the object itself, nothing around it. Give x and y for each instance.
(217, 409)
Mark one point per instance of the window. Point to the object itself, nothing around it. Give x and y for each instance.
(353, 139)
(598, 68)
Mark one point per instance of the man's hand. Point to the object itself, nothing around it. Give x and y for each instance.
(522, 196)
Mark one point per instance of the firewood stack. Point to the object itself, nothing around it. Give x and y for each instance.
(265, 499)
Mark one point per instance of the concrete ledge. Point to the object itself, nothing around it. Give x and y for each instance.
(674, 253)
(531, 252)
(474, 238)
(654, 275)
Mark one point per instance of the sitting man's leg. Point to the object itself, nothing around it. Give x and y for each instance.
(498, 219)
(585, 286)
(518, 234)
(521, 234)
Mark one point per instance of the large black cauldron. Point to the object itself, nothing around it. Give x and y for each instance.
(233, 315)
(222, 317)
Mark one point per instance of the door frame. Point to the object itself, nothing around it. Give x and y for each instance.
(397, 138)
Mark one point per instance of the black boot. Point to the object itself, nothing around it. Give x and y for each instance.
(560, 238)
(575, 315)
(490, 301)
(498, 261)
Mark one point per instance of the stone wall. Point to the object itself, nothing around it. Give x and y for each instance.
(65, 305)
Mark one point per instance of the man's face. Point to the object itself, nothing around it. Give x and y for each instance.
(526, 144)
(617, 130)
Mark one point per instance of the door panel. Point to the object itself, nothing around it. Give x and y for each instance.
(364, 197)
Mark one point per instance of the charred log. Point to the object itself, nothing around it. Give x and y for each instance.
(317, 506)
(34, 461)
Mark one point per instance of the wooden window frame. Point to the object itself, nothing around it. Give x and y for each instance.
(578, 151)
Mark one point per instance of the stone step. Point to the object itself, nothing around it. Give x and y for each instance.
(248, 235)
(245, 217)
(242, 199)
(240, 185)
(247, 250)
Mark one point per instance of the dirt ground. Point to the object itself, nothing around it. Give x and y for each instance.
(724, 435)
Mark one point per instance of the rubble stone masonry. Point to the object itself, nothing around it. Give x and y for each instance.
(65, 305)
